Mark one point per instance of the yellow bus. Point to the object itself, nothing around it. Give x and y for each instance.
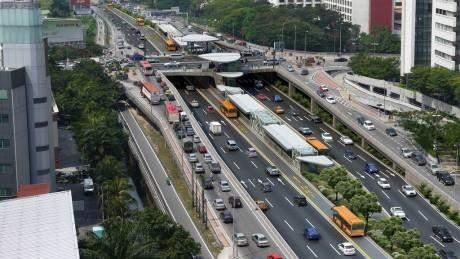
(318, 145)
(110, 5)
(140, 21)
(171, 45)
(351, 224)
(227, 108)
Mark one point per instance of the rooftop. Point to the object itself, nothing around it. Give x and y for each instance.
(199, 38)
(40, 226)
(289, 140)
(221, 57)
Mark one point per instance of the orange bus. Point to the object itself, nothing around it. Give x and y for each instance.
(171, 45)
(318, 145)
(140, 21)
(227, 108)
(351, 224)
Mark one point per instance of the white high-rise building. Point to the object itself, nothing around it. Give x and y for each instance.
(444, 42)
(301, 3)
(25, 73)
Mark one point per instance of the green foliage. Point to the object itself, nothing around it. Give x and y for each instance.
(375, 67)
(116, 197)
(60, 8)
(380, 40)
(423, 252)
(148, 234)
(437, 82)
(365, 204)
(333, 175)
(108, 168)
(349, 188)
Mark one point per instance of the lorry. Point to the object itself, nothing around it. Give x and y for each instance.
(215, 127)
(171, 112)
(318, 145)
(152, 92)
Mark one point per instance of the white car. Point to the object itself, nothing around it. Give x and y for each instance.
(327, 137)
(196, 139)
(194, 104)
(224, 186)
(369, 125)
(219, 204)
(290, 68)
(383, 183)
(346, 140)
(347, 248)
(397, 212)
(207, 158)
(331, 99)
(408, 190)
(260, 240)
(406, 152)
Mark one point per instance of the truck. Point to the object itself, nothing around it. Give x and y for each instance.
(152, 92)
(188, 145)
(171, 112)
(318, 145)
(215, 127)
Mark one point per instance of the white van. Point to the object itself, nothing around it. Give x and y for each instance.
(88, 186)
(176, 56)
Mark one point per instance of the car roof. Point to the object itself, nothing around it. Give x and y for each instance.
(347, 244)
(219, 200)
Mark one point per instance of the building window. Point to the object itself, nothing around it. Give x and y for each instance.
(4, 118)
(3, 95)
(42, 148)
(4, 168)
(41, 124)
(40, 100)
(4, 143)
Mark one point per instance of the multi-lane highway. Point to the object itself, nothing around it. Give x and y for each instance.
(290, 220)
(420, 214)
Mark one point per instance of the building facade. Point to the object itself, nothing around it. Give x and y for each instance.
(397, 16)
(300, 3)
(368, 14)
(23, 47)
(444, 45)
(415, 34)
(64, 32)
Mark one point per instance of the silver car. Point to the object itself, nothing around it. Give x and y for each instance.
(224, 186)
(260, 240)
(192, 158)
(219, 204)
(240, 239)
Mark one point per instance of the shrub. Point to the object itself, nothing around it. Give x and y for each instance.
(442, 206)
(434, 199)
(453, 214)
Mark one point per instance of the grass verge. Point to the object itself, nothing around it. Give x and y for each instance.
(165, 155)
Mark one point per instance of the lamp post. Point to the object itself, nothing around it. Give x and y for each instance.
(282, 35)
(295, 37)
(305, 43)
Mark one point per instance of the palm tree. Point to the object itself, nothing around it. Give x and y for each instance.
(116, 197)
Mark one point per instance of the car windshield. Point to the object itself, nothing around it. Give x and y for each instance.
(409, 188)
(262, 238)
(348, 246)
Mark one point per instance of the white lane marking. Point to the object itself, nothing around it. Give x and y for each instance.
(371, 177)
(211, 137)
(223, 150)
(244, 184)
(280, 180)
(204, 111)
(288, 225)
(392, 174)
(437, 241)
(309, 222)
(306, 118)
(254, 164)
(270, 182)
(334, 249)
(362, 176)
(201, 125)
(239, 149)
(402, 194)
(377, 176)
(294, 118)
(329, 145)
(360, 157)
(253, 185)
(348, 159)
(340, 142)
(388, 197)
(385, 174)
(423, 216)
(287, 118)
(300, 118)
(223, 122)
(268, 89)
(288, 201)
(456, 240)
(311, 251)
(225, 133)
(322, 129)
(207, 122)
(290, 106)
(407, 219)
(236, 165)
(269, 203)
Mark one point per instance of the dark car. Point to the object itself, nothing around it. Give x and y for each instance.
(235, 202)
(304, 72)
(442, 234)
(272, 171)
(341, 59)
(226, 217)
(305, 131)
(311, 234)
(266, 187)
(445, 178)
(371, 168)
(391, 132)
(300, 201)
(180, 134)
(349, 154)
(277, 98)
(447, 254)
(360, 120)
(316, 119)
(207, 184)
(419, 159)
(321, 93)
(214, 167)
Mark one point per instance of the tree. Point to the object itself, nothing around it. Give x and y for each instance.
(349, 187)
(380, 40)
(333, 175)
(365, 204)
(116, 197)
(406, 240)
(108, 168)
(60, 8)
(375, 67)
(423, 252)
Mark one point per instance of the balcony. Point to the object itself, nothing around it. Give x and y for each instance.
(439, 61)
(448, 49)
(447, 35)
(444, 19)
(447, 5)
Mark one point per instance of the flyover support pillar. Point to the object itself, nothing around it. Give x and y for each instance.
(363, 142)
(291, 89)
(334, 121)
(313, 106)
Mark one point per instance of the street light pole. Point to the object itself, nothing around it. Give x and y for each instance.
(295, 37)
(340, 39)
(305, 43)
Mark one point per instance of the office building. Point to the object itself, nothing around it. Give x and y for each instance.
(300, 3)
(415, 34)
(368, 14)
(26, 132)
(444, 44)
(64, 32)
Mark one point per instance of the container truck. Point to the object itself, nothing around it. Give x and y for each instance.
(151, 92)
(171, 112)
(215, 127)
(318, 145)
